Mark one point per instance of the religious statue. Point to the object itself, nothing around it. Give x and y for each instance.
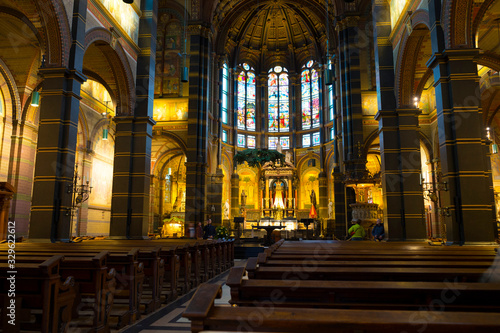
(330, 210)
(226, 210)
(243, 199)
(288, 157)
(312, 196)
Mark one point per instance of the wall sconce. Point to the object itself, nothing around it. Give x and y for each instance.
(35, 99)
(415, 101)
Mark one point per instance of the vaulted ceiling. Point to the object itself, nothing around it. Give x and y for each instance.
(265, 33)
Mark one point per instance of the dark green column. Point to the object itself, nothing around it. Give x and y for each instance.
(196, 166)
(57, 136)
(350, 94)
(468, 203)
(399, 142)
(134, 134)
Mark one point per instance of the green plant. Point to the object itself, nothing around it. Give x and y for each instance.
(221, 232)
(258, 157)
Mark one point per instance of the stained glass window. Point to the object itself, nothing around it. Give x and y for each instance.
(224, 136)
(310, 96)
(278, 100)
(285, 142)
(332, 134)
(224, 95)
(251, 141)
(241, 141)
(245, 104)
(273, 142)
(315, 140)
(306, 140)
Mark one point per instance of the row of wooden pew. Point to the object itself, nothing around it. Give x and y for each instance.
(356, 287)
(97, 285)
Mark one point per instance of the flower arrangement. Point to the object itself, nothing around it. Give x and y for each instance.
(221, 232)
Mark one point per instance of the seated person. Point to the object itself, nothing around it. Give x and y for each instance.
(209, 230)
(378, 232)
(357, 232)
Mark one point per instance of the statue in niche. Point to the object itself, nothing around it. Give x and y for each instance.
(288, 157)
(312, 196)
(330, 210)
(243, 199)
(226, 210)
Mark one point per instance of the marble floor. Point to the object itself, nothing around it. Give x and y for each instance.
(169, 318)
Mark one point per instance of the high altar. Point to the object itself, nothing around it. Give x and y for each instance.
(278, 187)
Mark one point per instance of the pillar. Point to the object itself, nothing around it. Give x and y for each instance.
(214, 196)
(350, 93)
(468, 203)
(196, 166)
(134, 135)
(57, 135)
(399, 142)
(235, 195)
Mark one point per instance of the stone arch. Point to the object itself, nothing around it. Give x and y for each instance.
(407, 58)
(120, 67)
(478, 18)
(456, 16)
(48, 20)
(10, 93)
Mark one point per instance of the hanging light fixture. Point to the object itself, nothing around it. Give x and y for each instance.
(185, 69)
(328, 70)
(105, 129)
(35, 99)
(128, 1)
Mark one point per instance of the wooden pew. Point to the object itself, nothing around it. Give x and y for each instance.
(128, 277)
(438, 296)
(205, 315)
(365, 273)
(39, 293)
(264, 260)
(94, 283)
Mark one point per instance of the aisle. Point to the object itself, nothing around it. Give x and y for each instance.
(169, 318)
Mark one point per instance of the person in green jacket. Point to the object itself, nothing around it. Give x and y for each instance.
(357, 232)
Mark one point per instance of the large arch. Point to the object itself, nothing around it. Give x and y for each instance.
(408, 57)
(105, 57)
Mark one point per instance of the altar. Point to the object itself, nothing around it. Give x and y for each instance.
(287, 224)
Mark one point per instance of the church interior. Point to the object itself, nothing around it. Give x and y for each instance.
(134, 121)
(363, 99)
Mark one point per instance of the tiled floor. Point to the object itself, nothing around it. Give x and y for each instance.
(169, 319)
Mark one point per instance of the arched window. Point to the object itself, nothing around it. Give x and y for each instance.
(278, 99)
(310, 96)
(246, 98)
(224, 93)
